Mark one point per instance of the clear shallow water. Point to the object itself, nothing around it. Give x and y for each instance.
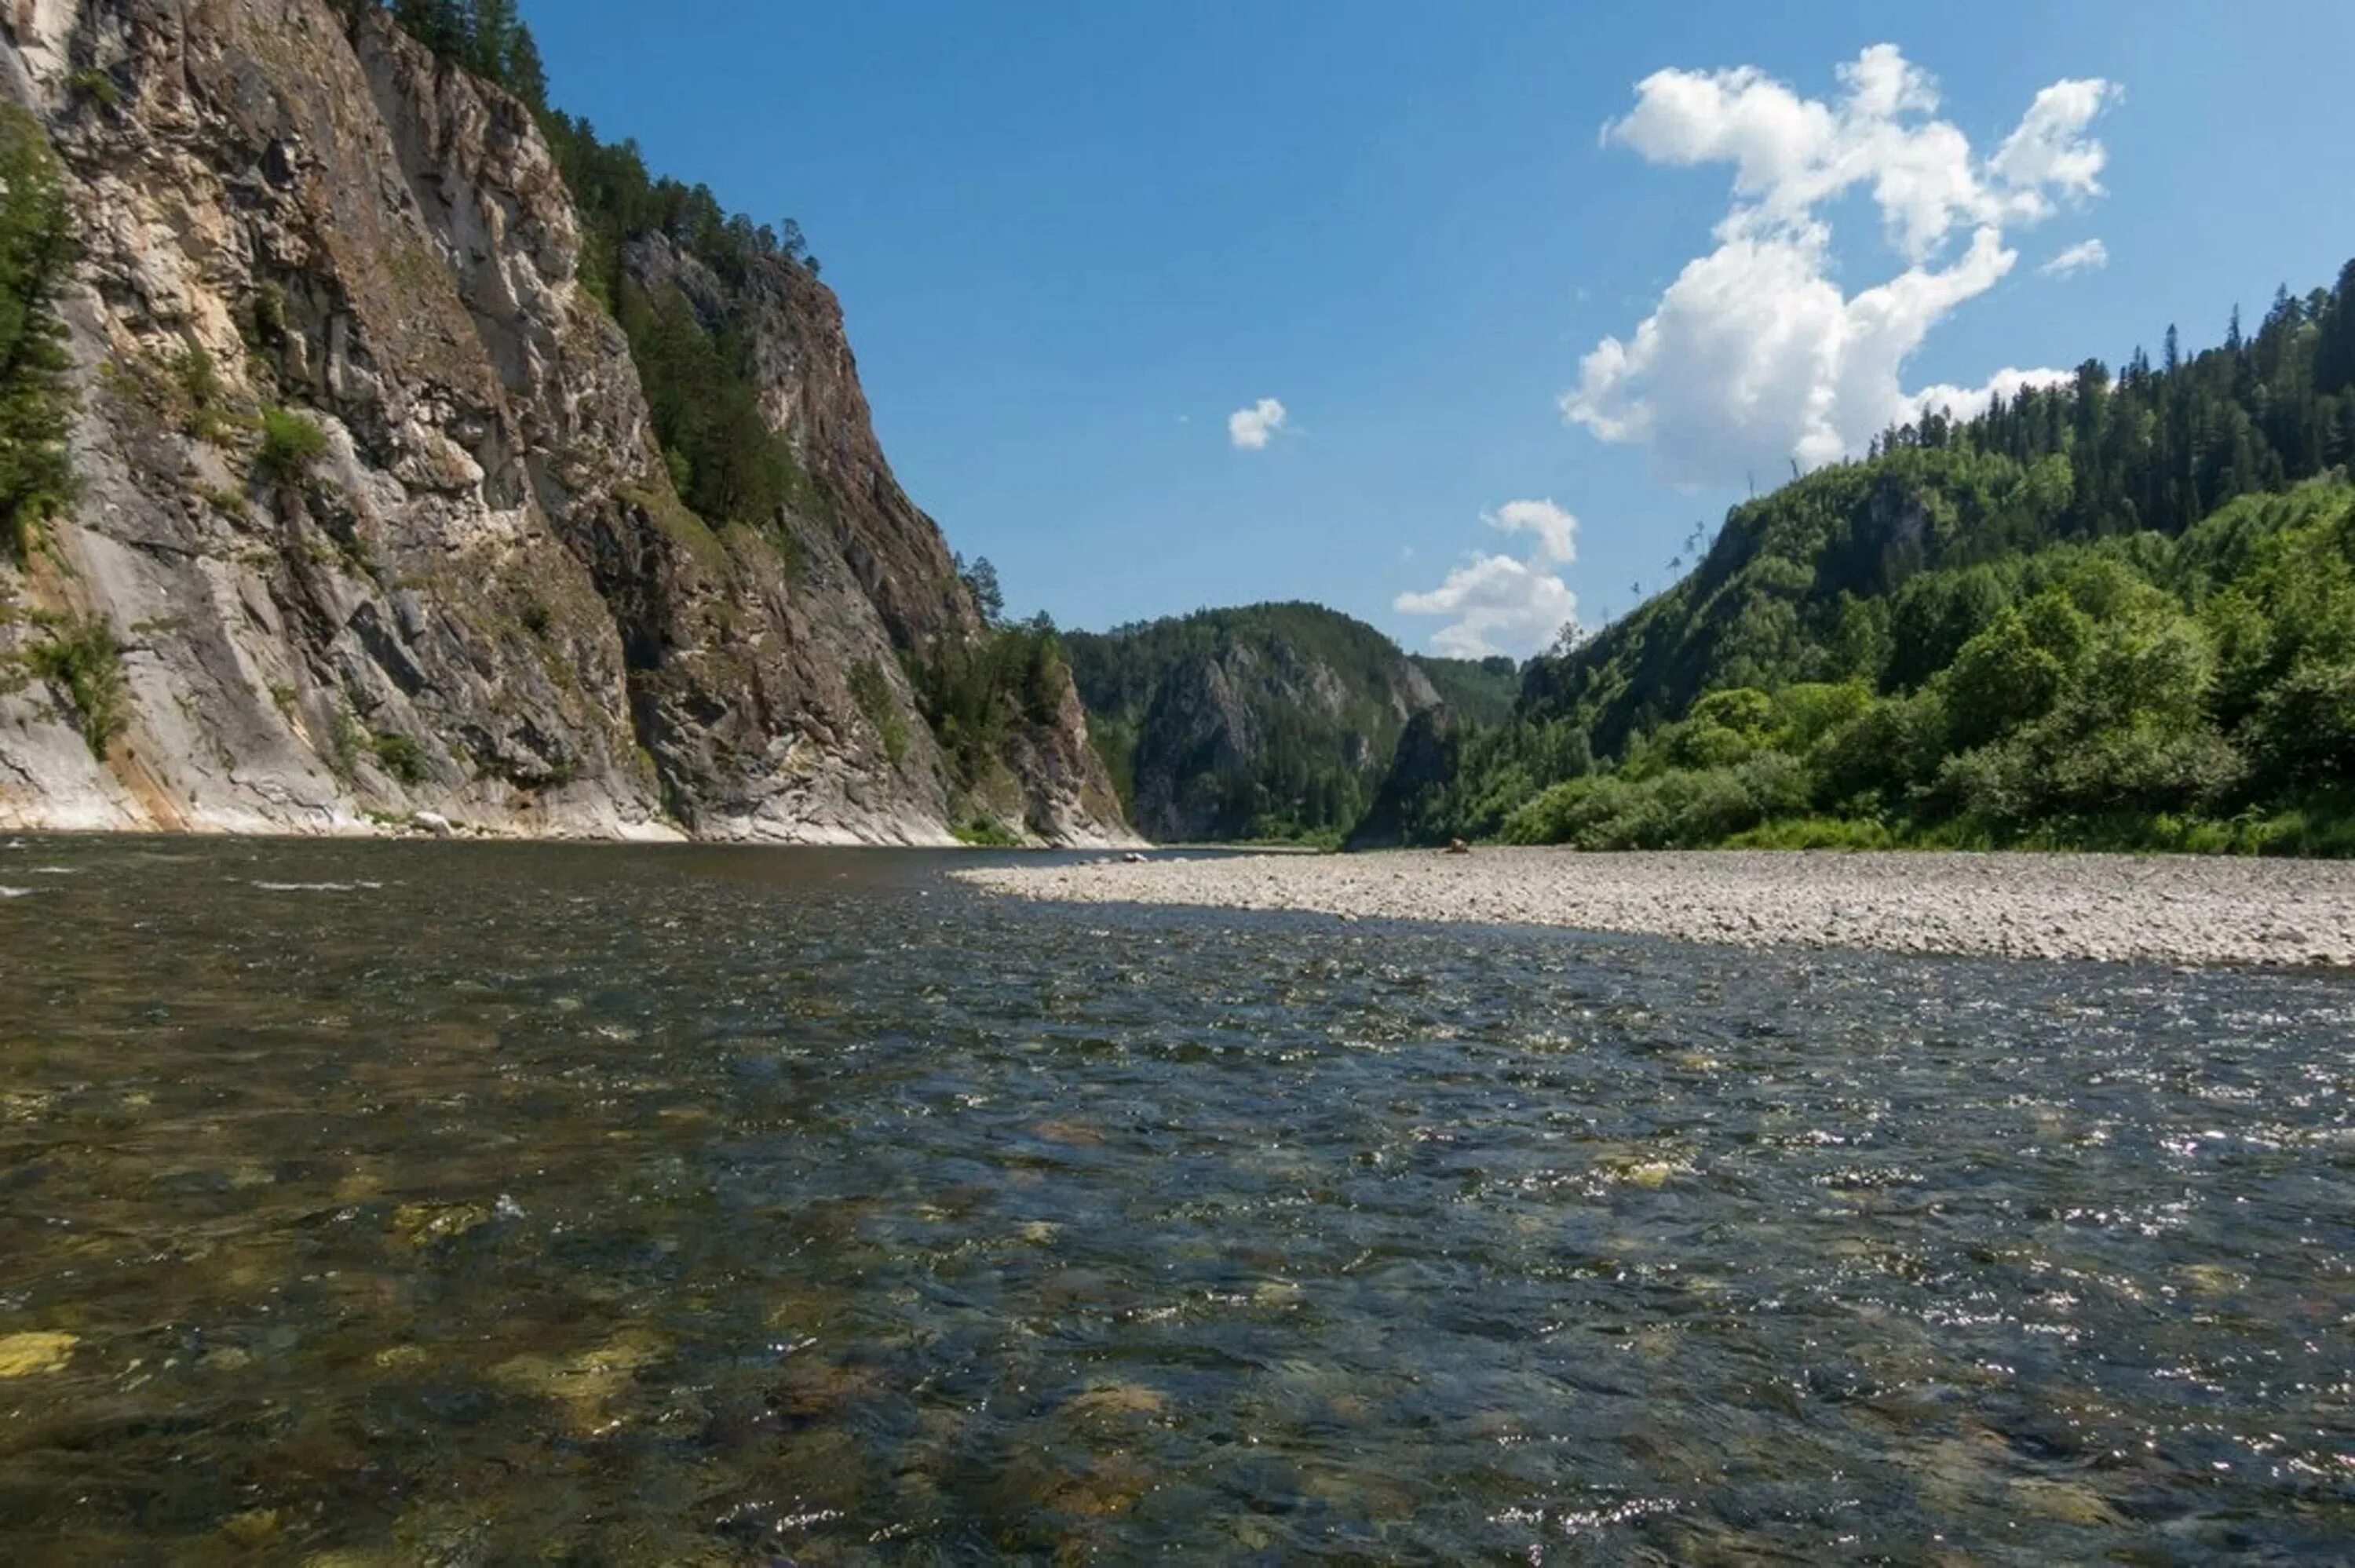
(482, 1203)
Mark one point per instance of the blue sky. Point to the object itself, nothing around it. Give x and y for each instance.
(1074, 238)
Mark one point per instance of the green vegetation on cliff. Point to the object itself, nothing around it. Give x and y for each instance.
(1482, 691)
(80, 659)
(729, 465)
(726, 462)
(36, 249)
(979, 694)
(2116, 611)
(987, 693)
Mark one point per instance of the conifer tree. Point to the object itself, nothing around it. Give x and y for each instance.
(441, 25)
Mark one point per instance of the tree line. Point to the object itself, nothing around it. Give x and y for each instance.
(2116, 611)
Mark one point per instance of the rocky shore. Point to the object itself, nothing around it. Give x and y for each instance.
(2173, 909)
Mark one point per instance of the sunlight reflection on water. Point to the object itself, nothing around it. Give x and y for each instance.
(464, 1203)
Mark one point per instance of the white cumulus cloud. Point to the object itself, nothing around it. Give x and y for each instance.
(2086, 256)
(1556, 530)
(1499, 604)
(1968, 402)
(1754, 357)
(1252, 429)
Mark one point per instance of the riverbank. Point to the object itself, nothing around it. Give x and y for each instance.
(2163, 908)
(590, 824)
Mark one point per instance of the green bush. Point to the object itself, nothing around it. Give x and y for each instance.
(81, 655)
(401, 759)
(1999, 680)
(1995, 785)
(872, 690)
(290, 443)
(1808, 712)
(2304, 728)
(1680, 810)
(205, 415)
(1881, 753)
(96, 85)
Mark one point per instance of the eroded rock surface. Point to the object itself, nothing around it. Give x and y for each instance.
(484, 599)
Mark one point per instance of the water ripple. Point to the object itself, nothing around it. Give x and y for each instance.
(735, 1207)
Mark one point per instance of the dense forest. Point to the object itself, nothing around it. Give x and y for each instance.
(2120, 610)
(1266, 721)
(1482, 691)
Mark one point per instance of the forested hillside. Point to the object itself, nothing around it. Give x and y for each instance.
(2120, 611)
(1271, 721)
(1482, 691)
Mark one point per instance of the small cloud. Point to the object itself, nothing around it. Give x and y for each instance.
(2090, 256)
(1499, 605)
(1252, 429)
(1406, 552)
(1970, 402)
(1185, 419)
(1556, 530)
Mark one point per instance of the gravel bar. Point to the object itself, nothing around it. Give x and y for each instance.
(2165, 909)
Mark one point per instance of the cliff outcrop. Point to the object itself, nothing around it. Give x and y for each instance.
(371, 518)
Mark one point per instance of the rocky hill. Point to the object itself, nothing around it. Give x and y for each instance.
(369, 514)
(1268, 721)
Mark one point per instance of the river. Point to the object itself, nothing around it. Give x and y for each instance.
(456, 1203)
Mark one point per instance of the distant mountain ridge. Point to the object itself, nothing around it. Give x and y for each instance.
(1265, 721)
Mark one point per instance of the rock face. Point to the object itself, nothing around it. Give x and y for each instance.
(483, 598)
(1270, 719)
(1424, 757)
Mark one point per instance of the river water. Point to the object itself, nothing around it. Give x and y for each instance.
(482, 1203)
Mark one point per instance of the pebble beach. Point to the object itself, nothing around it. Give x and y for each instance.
(2157, 908)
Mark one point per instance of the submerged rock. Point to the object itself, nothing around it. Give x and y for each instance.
(422, 1224)
(1115, 1399)
(28, 1355)
(586, 1385)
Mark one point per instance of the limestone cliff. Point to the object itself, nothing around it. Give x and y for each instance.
(481, 596)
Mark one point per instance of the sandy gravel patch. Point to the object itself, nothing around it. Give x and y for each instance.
(2171, 909)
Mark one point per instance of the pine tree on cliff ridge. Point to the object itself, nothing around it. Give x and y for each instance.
(441, 25)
